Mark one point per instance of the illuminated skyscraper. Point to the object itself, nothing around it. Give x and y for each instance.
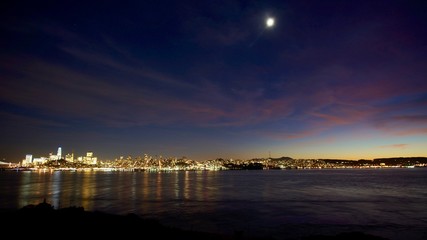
(90, 159)
(29, 158)
(59, 154)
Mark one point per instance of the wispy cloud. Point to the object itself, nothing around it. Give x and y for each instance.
(113, 88)
(128, 68)
(399, 146)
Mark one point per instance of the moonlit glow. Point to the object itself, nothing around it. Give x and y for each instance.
(269, 22)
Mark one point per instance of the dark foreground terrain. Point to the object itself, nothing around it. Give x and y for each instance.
(44, 221)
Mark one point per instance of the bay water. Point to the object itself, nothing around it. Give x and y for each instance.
(283, 204)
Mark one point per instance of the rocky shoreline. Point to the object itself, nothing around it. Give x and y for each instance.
(74, 222)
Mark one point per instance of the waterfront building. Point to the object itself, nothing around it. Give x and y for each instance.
(90, 159)
(53, 157)
(29, 158)
(69, 157)
(40, 160)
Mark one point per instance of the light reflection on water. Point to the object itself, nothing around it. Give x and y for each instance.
(387, 202)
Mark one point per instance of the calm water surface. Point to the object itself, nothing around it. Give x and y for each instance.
(280, 203)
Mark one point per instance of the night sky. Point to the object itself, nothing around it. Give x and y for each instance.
(208, 79)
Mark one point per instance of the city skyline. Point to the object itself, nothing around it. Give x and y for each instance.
(231, 79)
(80, 156)
(146, 162)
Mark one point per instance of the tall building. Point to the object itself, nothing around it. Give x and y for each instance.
(90, 159)
(59, 153)
(29, 158)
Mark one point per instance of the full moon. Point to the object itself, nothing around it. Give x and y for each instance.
(269, 22)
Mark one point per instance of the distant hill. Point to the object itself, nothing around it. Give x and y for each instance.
(281, 159)
(401, 160)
